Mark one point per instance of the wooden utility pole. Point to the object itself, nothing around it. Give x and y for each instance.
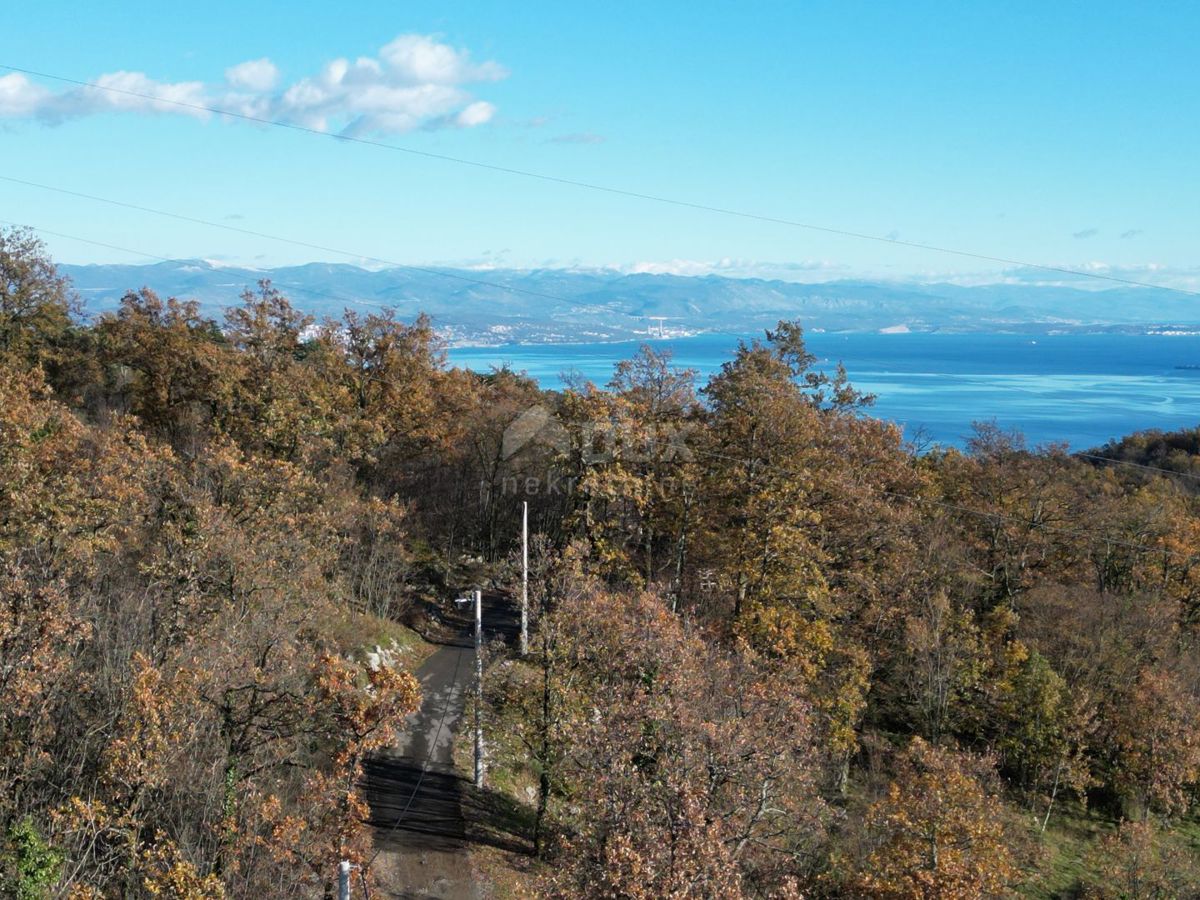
(524, 577)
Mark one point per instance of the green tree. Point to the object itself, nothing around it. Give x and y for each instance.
(29, 865)
(1043, 730)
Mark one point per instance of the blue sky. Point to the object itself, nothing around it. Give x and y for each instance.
(1061, 133)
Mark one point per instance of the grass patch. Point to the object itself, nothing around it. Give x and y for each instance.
(1063, 850)
(1066, 847)
(504, 875)
(358, 634)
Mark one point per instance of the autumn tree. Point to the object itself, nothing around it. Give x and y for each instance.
(37, 304)
(165, 362)
(938, 832)
(277, 408)
(393, 371)
(695, 777)
(1156, 732)
(743, 593)
(636, 484)
(943, 663)
(474, 490)
(796, 525)
(761, 528)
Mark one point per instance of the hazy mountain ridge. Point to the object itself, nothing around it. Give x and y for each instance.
(547, 305)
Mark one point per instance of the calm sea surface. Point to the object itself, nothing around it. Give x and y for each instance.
(1082, 389)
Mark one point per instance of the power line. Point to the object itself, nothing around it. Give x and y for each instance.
(1135, 465)
(107, 246)
(316, 293)
(284, 240)
(893, 495)
(1052, 529)
(425, 764)
(978, 513)
(1116, 462)
(83, 240)
(592, 186)
(349, 254)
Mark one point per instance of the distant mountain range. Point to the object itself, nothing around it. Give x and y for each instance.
(556, 305)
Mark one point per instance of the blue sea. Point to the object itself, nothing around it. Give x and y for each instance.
(1082, 389)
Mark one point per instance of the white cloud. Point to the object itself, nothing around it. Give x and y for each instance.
(125, 91)
(1154, 273)
(134, 92)
(729, 267)
(20, 97)
(415, 82)
(477, 113)
(813, 271)
(420, 59)
(253, 75)
(671, 267)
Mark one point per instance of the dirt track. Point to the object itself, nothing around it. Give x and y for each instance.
(417, 797)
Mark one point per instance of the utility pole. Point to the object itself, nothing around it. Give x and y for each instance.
(478, 601)
(524, 577)
(344, 880)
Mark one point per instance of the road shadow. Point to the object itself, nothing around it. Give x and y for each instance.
(496, 820)
(447, 624)
(413, 806)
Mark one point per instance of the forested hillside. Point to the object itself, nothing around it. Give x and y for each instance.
(773, 651)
